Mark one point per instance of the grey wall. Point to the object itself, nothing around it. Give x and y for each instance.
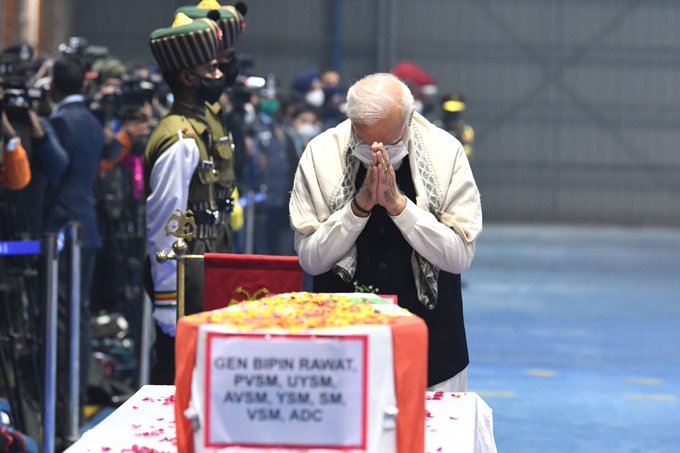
(575, 103)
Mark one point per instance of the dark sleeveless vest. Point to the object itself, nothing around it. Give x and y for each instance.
(384, 261)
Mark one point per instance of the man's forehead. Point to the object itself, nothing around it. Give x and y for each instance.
(387, 131)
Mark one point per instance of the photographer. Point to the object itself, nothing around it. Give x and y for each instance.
(21, 99)
(37, 146)
(133, 133)
(15, 172)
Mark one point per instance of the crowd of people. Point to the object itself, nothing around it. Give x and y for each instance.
(270, 128)
(75, 127)
(118, 147)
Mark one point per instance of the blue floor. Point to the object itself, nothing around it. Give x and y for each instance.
(574, 337)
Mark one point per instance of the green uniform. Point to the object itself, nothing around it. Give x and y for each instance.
(188, 166)
(198, 175)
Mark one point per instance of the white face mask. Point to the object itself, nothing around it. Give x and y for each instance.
(396, 152)
(315, 97)
(250, 114)
(308, 130)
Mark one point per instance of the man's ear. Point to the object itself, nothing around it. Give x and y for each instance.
(185, 78)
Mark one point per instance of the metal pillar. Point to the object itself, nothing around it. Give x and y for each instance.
(336, 35)
(145, 341)
(386, 42)
(50, 342)
(73, 425)
(250, 223)
(180, 248)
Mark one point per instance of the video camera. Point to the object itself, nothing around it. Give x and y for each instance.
(78, 46)
(125, 100)
(137, 91)
(19, 97)
(248, 83)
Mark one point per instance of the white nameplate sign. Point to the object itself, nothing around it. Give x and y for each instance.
(286, 391)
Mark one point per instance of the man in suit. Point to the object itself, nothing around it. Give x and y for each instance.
(82, 138)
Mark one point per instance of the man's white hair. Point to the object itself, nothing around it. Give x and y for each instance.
(372, 98)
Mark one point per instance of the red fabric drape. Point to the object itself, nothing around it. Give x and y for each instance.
(409, 343)
(185, 359)
(226, 273)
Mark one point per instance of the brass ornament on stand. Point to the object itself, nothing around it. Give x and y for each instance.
(242, 292)
(184, 224)
(181, 225)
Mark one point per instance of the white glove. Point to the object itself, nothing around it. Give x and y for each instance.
(166, 318)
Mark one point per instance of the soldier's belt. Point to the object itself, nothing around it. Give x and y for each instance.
(209, 231)
(209, 217)
(206, 216)
(209, 212)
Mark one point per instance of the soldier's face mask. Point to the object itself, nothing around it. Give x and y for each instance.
(210, 89)
(230, 71)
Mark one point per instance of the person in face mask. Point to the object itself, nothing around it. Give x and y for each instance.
(386, 199)
(315, 96)
(188, 165)
(304, 126)
(231, 23)
(211, 86)
(308, 130)
(231, 20)
(307, 87)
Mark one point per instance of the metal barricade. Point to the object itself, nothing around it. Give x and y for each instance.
(50, 249)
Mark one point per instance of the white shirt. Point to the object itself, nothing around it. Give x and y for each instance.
(67, 100)
(169, 183)
(322, 238)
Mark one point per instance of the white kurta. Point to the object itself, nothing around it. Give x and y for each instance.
(323, 237)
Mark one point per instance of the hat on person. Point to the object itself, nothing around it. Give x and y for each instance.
(108, 67)
(229, 18)
(303, 80)
(453, 103)
(185, 45)
(412, 74)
